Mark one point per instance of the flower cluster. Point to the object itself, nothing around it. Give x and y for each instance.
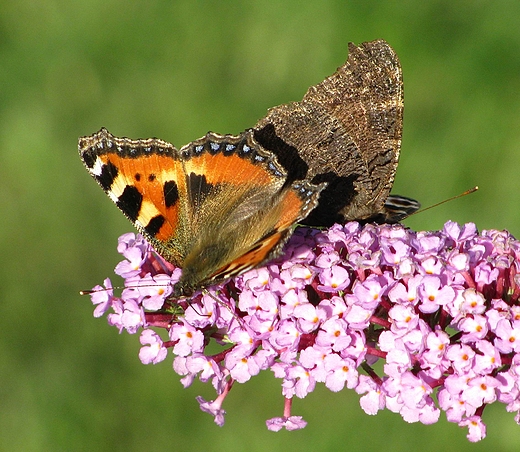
(439, 310)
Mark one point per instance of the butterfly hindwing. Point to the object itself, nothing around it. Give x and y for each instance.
(265, 234)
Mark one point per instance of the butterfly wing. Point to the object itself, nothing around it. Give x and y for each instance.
(346, 131)
(240, 208)
(145, 179)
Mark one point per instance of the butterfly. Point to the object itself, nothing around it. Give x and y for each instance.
(346, 131)
(217, 207)
(224, 204)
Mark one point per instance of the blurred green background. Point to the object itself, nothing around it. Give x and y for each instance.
(176, 69)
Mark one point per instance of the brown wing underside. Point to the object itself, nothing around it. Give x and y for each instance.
(346, 131)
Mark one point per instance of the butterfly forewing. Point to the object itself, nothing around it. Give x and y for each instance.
(144, 178)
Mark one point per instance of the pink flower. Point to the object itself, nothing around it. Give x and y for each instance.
(440, 309)
(154, 350)
(432, 295)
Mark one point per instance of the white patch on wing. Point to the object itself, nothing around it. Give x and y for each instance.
(97, 168)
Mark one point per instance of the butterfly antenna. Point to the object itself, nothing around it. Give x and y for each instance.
(103, 289)
(460, 195)
(187, 300)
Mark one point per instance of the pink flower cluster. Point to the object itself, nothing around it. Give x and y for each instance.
(440, 310)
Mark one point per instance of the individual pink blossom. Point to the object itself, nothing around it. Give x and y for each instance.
(153, 350)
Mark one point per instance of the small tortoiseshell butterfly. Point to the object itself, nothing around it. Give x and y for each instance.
(217, 207)
(224, 204)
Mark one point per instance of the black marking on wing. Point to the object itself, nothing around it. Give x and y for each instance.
(108, 174)
(154, 225)
(88, 156)
(171, 193)
(130, 202)
(198, 188)
(286, 154)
